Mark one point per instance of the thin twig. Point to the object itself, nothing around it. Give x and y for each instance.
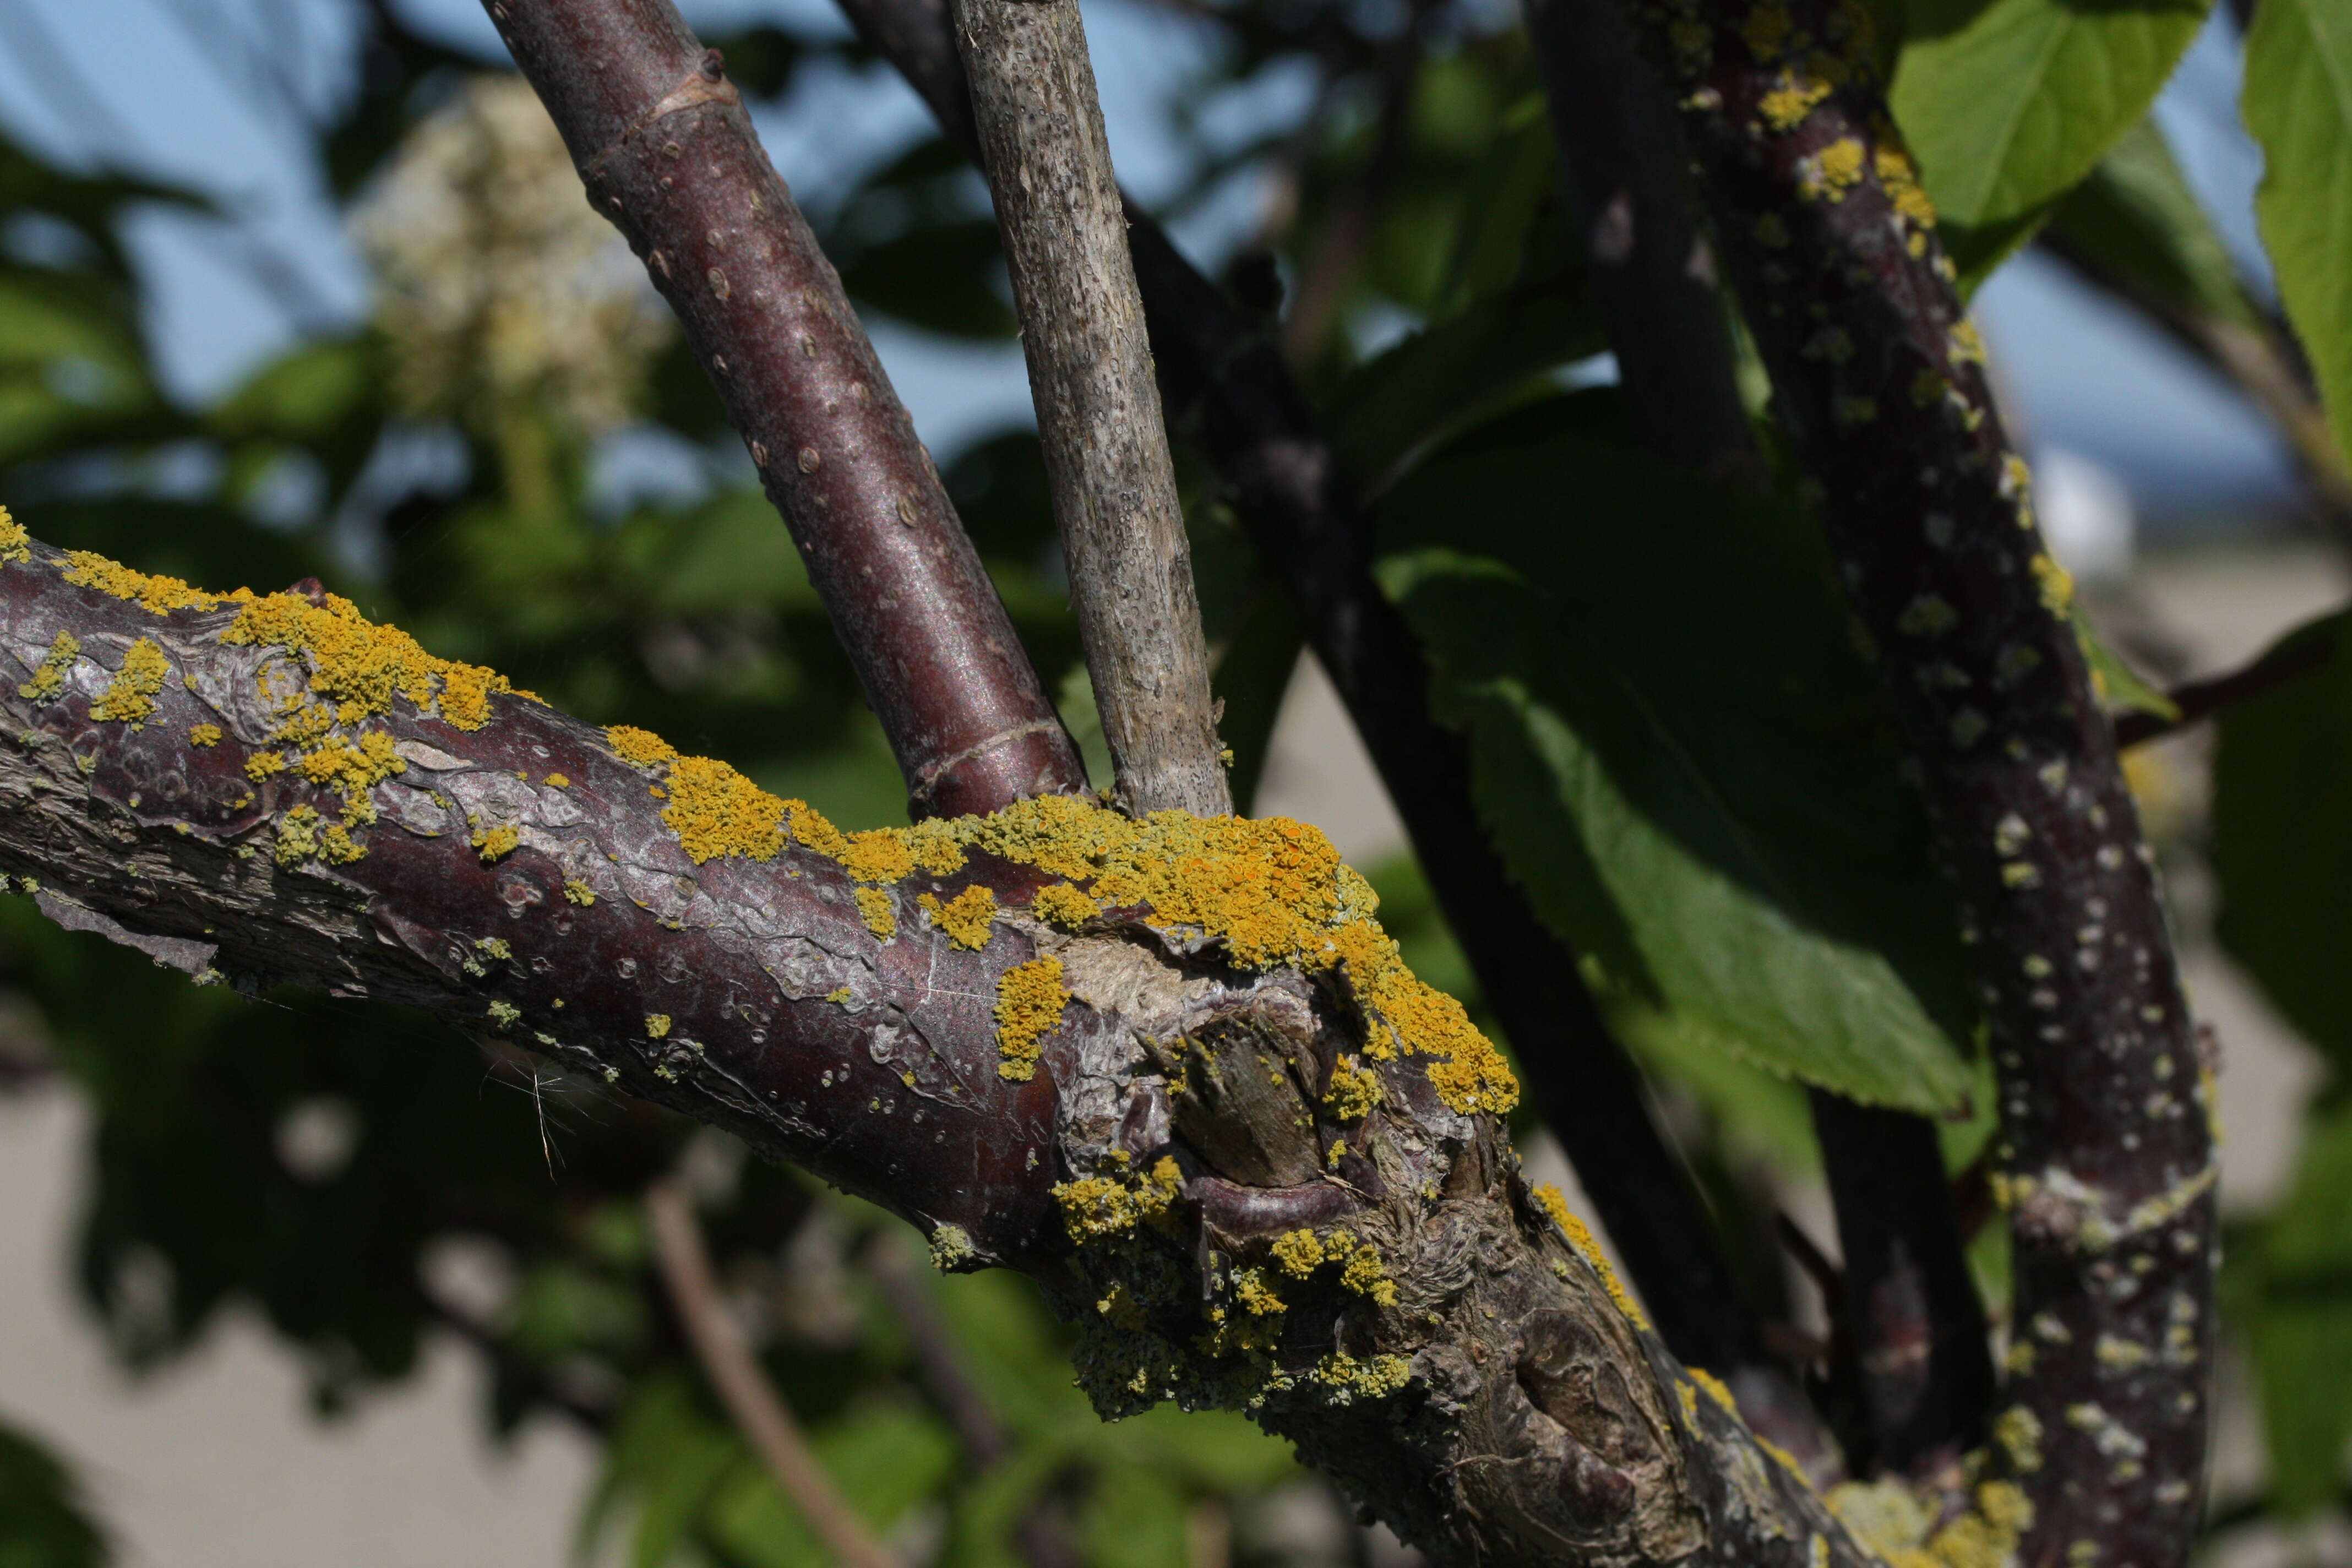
(1098, 417)
(763, 1419)
(667, 153)
(2196, 701)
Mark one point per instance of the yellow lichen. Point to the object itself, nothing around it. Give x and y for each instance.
(495, 842)
(2056, 583)
(1097, 1207)
(1299, 1253)
(1251, 1288)
(716, 811)
(1900, 179)
(1785, 107)
(14, 544)
(656, 1025)
(205, 735)
(1338, 1153)
(157, 595)
(874, 909)
(1060, 904)
(131, 695)
(1715, 1389)
(579, 892)
(1366, 1277)
(877, 855)
(1029, 1002)
(1580, 1236)
(261, 764)
(639, 748)
(360, 667)
(557, 781)
(838, 995)
(49, 679)
(1830, 173)
(966, 918)
(1927, 616)
(1353, 1091)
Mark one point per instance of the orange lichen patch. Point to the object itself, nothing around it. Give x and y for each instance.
(157, 595)
(1580, 1235)
(715, 811)
(205, 735)
(638, 748)
(966, 918)
(1060, 904)
(15, 543)
(131, 695)
(359, 667)
(877, 855)
(1029, 1002)
(49, 679)
(1352, 1091)
(495, 842)
(873, 908)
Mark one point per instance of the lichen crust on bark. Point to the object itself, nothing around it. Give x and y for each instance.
(1171, 1068)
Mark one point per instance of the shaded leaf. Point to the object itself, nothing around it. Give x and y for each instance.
(2282, 844)
(2135, 219)
(42, 1521)
(2293, 1293)
(1680, 756)
(2298, 104)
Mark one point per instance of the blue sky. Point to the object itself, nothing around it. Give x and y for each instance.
(136, 83)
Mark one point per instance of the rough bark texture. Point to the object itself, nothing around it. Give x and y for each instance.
(667, 152)
(2105, 1157)
(1225, 380)
(1098, 419)
(273, 790)
(1623, 153)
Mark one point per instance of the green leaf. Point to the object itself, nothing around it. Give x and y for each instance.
(2008, 105)
(1682, 757)
(42, 1521)
(2298, 103)
(2135, 221)
(2116, 682)
(2282, 844)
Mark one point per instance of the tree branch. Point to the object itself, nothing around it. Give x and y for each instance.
(1621, 153)
(1226, 379)
(667, 153)
(1114, 484)
(274, 789)
(2105, 1149)
(2195, 701)
(734, 1371)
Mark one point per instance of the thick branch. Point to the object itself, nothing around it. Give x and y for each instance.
(667, 152)
(1114, 485)
(275, 790)
(2106, 1150)
(1623, 153)
(1227, 379)
(753, 1402)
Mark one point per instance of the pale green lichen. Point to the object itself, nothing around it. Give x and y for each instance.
(951, 1249)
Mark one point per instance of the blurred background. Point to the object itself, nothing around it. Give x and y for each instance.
(298, 287)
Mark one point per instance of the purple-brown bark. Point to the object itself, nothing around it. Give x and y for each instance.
(667, 153)
(2106, 1149)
